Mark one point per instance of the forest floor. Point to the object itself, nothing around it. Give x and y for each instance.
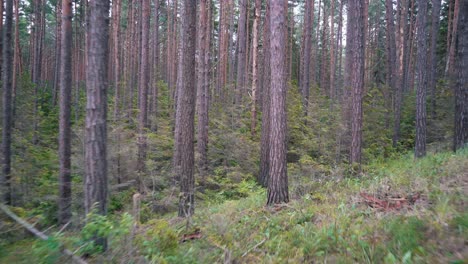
(400, 211)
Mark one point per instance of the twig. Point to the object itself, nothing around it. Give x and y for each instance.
(254, 247)
(38, 233)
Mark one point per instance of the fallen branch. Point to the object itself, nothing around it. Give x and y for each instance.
(39, 234)
(254, 247)
(390, 203)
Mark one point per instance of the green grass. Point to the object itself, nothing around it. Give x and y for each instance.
(326, 223)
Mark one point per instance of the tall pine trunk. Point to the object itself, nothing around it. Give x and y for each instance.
(278, 181)
(65, 115)
(184, 136)
(7, 61)
(461, 86)
(95, 184)
(203, 85)
(356, 15)
(264, 172)
(420, 141)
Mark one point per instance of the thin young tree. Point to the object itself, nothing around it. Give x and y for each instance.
(143, 87)
(432, 64)
(356, 16)
(278, 180)
(255, 51)
(95, 185)
(185, 130)
(1, 42)
(65, 114)
(306, 58)
(241, 51)
(7, 68)
(264, 172)
(203, 38)
(420, 141)
(461, 86)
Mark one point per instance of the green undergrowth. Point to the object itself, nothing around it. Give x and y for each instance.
(329, 223)
(326, 221)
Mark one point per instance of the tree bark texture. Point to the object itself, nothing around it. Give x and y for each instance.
(203, 85)
(264, 173)
(184, 137)
(278, 180)
(7, 73)
(356, 14)
(420, 141)
(65, 115)
(96, 110)
(461, 87)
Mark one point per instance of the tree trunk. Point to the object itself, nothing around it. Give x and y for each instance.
(203, 34)
(256, 28)
(241, 51)
(1, 42)
(58, 48)
(96, 110)
(36, 64)
(332, 51)
(306, 57)
(461, 88)
(223, 49)
(420, 141)
(65, 115)
(356, 15)
(116, 7)
(278, 181)
(184, 152)
(143, 88)
(432, 66)
(264, 173)
(7, 61)
(453, 35)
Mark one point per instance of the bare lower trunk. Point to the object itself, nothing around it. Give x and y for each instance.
(184, 137)
(420, 141)
(461, 88)
(95, 184)
(278, 181)
(65, 115)
(7, 41)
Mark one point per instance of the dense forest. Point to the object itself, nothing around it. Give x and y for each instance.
(234, 131)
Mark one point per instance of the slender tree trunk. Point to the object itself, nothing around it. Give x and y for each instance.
(461, 87)
(255, 37)
(116, 7)
(1, 42)
(306, 57)
(264, 174)
(241, 51)
(356, 14)
(332, 51)
(96, 111)
(203, 85)
(420, 141)
(36, 73)
(453, 35)
(391, 46)
(324, 85)
(278, 181)
(58, 48)
(7, 61)
(17, 65)
(143, 89)
(432, 66)
(184, 153)
(65, 115)
(155, 73)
